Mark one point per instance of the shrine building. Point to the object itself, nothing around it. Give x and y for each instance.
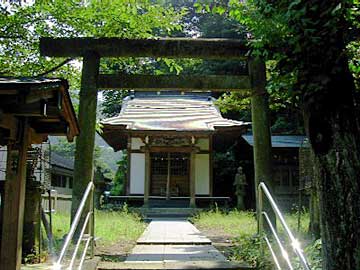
(169, 138)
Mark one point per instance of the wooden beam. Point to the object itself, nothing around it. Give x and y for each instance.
(128, 157)
(162, 149)
(192, 179)
(174, 82)
(147, 177)
(168, 178)
(211, 164)
(36, 95)
(161, 47)
(50, 128)
(10, 122)
(39, 109)
(14, 203)
(36, 138)
(31, 238)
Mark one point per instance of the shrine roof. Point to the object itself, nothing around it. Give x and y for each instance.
(189, 112)
(171, 113)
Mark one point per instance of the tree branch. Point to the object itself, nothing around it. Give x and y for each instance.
(55, 68)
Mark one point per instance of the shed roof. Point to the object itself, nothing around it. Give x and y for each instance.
(46, 101)
(281, 141)
(57, 160)
(169, 113)
(28, 83)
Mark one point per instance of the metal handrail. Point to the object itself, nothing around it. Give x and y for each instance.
(262, 189)
(87, 194)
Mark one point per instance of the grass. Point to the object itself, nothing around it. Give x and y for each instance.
(237, 223)
(242, 227)
(233, 223)
(110, 226)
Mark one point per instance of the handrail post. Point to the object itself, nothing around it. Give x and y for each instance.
(260, 219)
(260, 210)
(75, 223)
(262, 189)
(92, 223)
(51, 241)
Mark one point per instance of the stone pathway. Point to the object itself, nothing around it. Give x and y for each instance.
(175, 231)
(173, 244)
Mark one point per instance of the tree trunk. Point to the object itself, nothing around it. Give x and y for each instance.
(332, 126)
(314, 226)
(309, 182)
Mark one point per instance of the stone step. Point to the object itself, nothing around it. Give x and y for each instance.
(168, 212)
(173, 265)
(169, 204)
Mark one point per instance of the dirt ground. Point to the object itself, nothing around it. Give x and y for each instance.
(116, 252)
(220, 240)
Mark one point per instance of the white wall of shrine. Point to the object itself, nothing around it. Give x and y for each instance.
(202, 174)
(137, 173)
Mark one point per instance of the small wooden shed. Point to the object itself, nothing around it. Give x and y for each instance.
(30, 110)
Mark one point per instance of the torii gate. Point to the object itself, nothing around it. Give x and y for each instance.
(92, 49)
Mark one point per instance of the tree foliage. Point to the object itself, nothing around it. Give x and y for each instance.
(22, 25)
(118, 187)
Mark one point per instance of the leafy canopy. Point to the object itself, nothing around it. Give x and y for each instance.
(22, 25)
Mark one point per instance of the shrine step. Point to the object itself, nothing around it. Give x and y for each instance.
(155, 212)
(153, 203)
(173, 266)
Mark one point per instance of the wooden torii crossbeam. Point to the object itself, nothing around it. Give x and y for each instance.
(92, 49)
(160, 47)
(174, 82)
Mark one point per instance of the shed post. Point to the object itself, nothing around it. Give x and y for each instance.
(31, 233)
(84, 151)
(14, 201)
(260, 127)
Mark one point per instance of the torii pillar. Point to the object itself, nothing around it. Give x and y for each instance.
(261, 129)
(85, 142)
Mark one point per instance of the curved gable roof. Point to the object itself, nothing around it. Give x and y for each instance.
(168, 113)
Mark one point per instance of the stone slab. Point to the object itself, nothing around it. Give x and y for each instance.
(174, 253)
(174, 266)
(175, 232)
